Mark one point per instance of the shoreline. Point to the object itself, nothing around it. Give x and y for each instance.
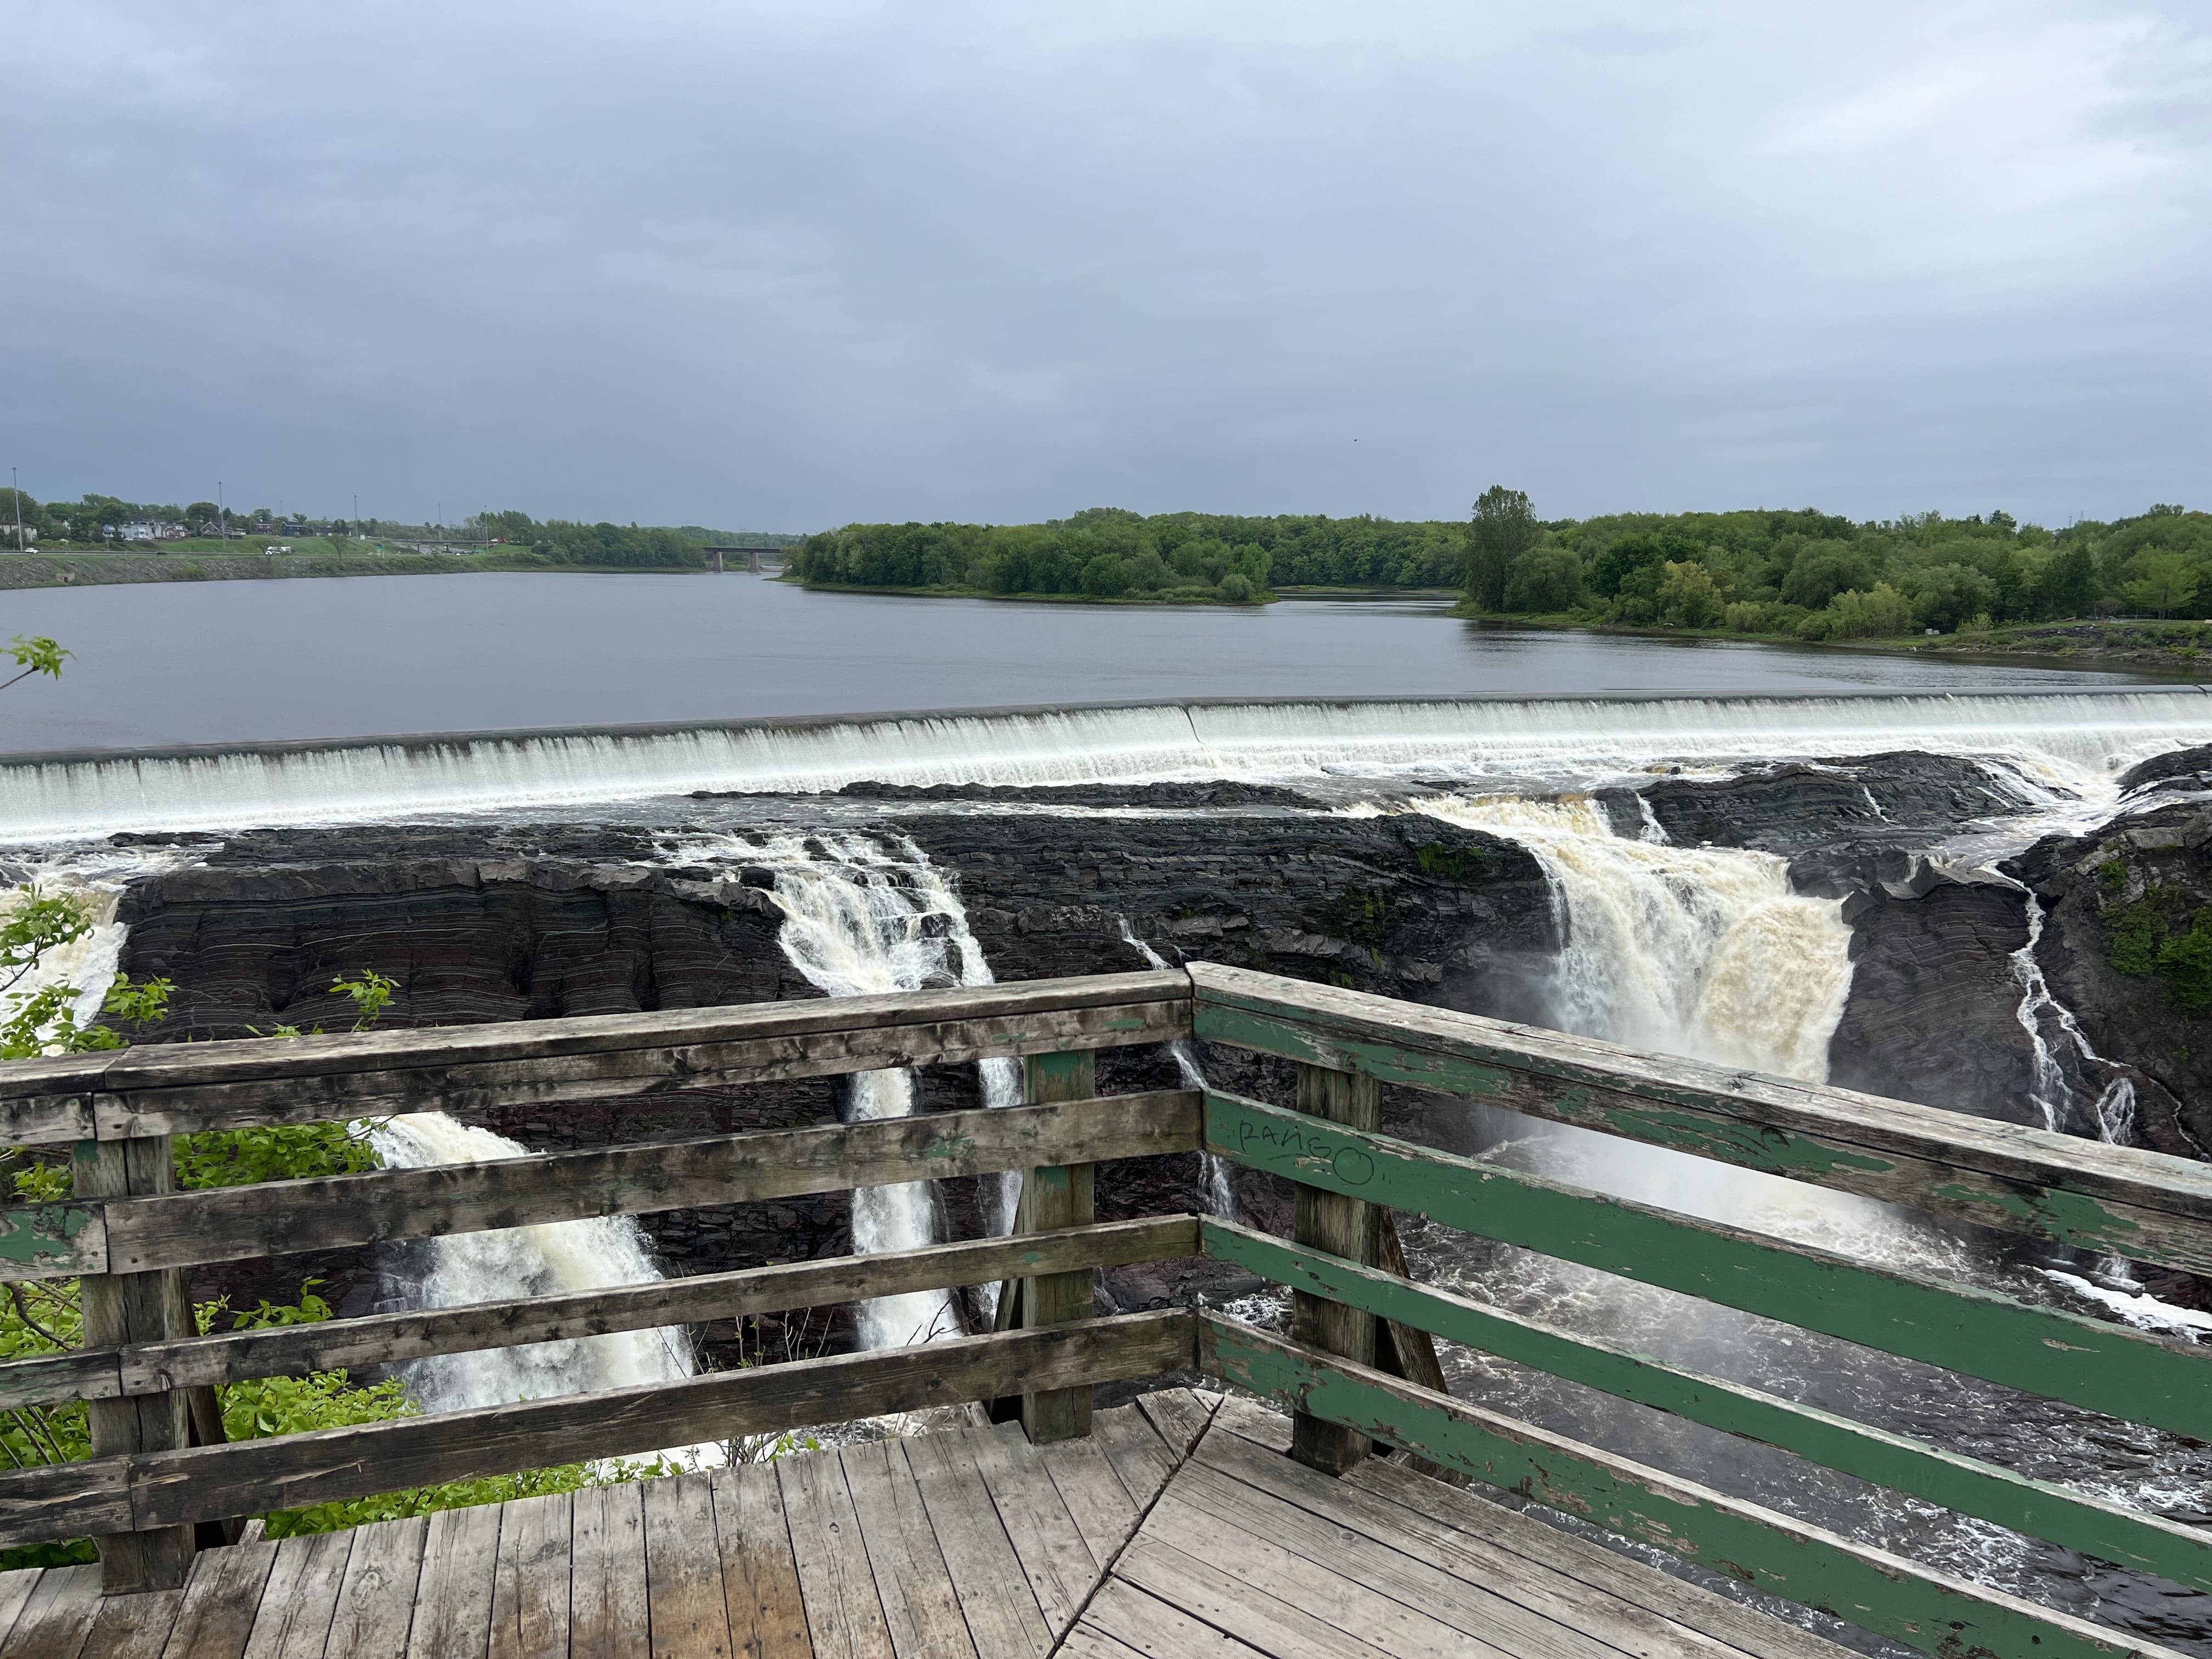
(23, 572)
(2180, 649)
(1126, 599)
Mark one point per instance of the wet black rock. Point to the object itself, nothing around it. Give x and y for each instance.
(1933, 1014)
(1797, 807)
(2177, 769)
(1204, 792)
(1405, 905)
(2127, 947)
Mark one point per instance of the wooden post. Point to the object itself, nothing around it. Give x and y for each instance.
(121, 1307)
(1057, 1196)
(1342, 1226)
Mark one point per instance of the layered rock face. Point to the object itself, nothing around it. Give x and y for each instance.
(522, 922)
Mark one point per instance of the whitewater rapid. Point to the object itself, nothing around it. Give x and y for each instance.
(866, 915)
(2074, 741)
(511, 1262)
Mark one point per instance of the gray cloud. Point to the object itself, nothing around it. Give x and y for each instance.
(790, 266)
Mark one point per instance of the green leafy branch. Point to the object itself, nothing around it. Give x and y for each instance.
(37, 655)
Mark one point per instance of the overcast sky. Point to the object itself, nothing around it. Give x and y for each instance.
(785, 267)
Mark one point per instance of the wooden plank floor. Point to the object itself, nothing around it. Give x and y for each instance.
(1176, 1530)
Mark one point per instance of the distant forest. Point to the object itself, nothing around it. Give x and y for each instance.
(1820, 577)
(1107, 553)
(1804, 572)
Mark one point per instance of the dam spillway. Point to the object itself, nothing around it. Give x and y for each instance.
(2076, 738)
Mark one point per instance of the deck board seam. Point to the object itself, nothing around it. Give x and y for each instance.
(1144, 1514)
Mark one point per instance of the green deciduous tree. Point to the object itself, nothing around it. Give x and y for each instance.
(1688, 596)
(1879, 612)
(2164, 583)
(1503, 529)
(1545, 580)
(2071, 585)
(1947, 595)
(1824, 569)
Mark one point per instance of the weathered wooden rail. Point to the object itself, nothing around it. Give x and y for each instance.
(128, 1238)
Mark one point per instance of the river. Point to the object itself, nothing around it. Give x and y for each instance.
(258, 661)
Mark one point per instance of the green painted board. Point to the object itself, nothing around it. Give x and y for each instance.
(2107, 1531)
(1727, 1129)
(52, 1240)
(2106, 1368)
(1866, 1587)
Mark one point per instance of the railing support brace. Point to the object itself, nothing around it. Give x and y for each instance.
(121, 1307)
(1057, 1196)
(1342, 1226)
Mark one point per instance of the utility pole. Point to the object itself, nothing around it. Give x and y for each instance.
(222, 514)
(15, 489)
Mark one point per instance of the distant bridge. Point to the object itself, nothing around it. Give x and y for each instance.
(753, 555)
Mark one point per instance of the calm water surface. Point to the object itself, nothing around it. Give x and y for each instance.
(178, 662)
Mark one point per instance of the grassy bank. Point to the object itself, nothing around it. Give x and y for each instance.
(2178, 647)
(243, 561)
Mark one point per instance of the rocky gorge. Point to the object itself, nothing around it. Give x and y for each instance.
(530, 916)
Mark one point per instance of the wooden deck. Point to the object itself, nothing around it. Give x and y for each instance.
(1176, 1530)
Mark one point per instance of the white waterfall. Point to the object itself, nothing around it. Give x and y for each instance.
(1220, 1198)
(863, 916)
(1704, 952)
(95, 878)
(1699, 951)
(2072, 742)
(2063, 1060)
(519, 1261)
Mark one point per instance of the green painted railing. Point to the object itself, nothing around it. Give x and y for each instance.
(1356, 1368)
(2149, 1206)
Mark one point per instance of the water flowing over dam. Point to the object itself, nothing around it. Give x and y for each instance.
(2072, 737)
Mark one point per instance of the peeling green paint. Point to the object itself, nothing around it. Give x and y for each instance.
(954, 1145)
(1940, 1618)
(1971, 1487)
(47, 1237)
(1707, 1127)
(2107, 1368)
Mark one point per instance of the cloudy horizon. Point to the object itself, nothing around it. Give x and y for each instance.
(779, 269)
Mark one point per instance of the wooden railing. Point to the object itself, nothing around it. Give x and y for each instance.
(128, 1240)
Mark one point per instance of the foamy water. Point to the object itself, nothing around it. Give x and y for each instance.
(2074, 742)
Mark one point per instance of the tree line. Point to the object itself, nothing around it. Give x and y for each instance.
(1110, 553)
(1820, 576)
(1812, 574)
